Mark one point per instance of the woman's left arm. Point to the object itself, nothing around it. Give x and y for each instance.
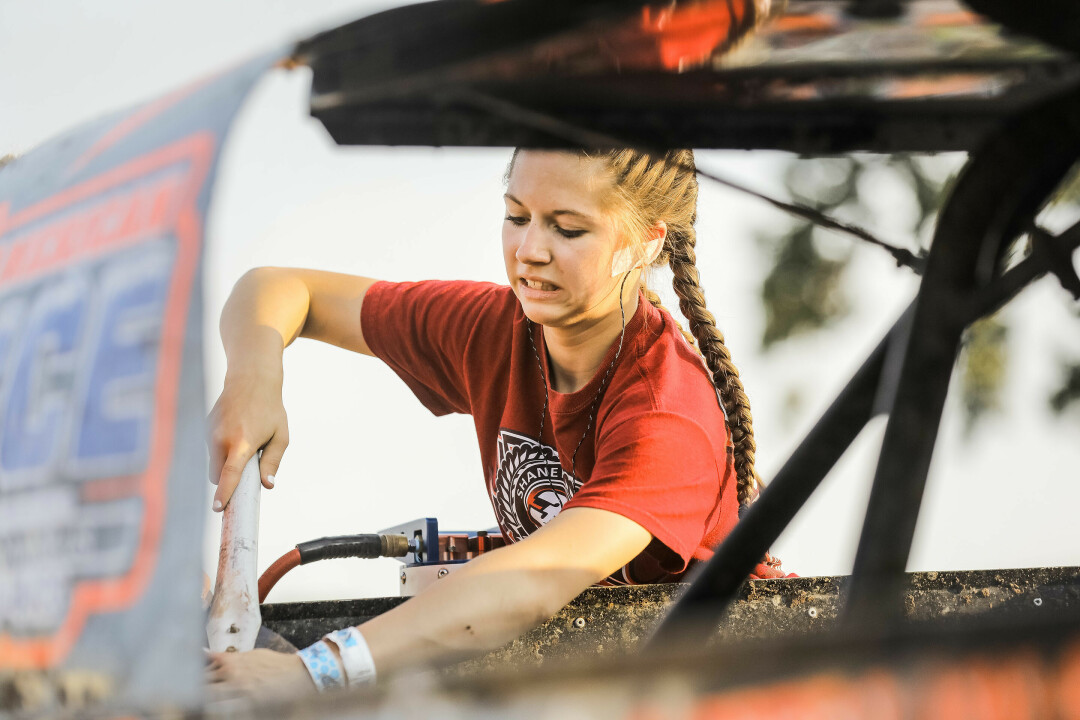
(498, 596)
(483, 605)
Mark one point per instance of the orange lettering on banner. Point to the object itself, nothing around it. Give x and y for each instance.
(122, 219)
(101, 226)
(15, 256)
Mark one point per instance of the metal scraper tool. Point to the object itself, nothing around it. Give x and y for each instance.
(234, 617)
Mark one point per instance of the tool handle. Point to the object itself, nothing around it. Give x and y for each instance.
(235, 619)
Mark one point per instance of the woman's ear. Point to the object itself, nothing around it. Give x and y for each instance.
(655, 243)
(623, 260)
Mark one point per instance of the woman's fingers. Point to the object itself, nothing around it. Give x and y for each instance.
(259, 673)
(271, 458)
(227, 463)
(217, 459)
(215, 668)
(230, 475)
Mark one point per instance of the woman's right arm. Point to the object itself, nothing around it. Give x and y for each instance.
(268, 309)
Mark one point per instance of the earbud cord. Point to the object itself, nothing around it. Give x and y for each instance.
(599, 391)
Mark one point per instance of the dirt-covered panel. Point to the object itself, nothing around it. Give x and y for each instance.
(611, 621)
(303, 623)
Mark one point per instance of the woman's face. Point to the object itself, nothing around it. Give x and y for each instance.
(559, 238)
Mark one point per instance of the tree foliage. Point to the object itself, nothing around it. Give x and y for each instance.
(804, 291)
(983, 363)
(1068, 392)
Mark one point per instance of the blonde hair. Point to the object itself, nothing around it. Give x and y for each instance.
(649, 189)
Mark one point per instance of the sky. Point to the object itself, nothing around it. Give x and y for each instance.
(365, 454)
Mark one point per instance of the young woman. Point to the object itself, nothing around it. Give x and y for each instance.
(606, 450)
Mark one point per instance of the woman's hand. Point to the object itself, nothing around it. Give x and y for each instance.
(247, 416)
(260, 673)
(266, 311)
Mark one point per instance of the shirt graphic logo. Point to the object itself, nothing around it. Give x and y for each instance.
(530, 486)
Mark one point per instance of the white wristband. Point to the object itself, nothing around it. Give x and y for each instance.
(324, 668)
(355, 656)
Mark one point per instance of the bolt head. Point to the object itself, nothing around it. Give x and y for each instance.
(443, 572)
(234, 629)
(579, 622)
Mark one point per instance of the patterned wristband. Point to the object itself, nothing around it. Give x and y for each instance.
(325, 669)
(355, 656)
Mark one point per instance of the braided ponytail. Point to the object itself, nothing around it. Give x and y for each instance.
(718, 359)
(665, 189)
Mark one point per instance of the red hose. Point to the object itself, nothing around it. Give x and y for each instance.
(275, 572)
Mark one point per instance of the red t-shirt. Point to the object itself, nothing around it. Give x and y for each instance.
(658, 452)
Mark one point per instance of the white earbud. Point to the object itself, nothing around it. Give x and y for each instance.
(624, 260)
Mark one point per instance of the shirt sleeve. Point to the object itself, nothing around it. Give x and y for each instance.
(421, 330)
(659, 469)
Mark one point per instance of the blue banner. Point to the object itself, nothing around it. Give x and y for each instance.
(102, 457)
